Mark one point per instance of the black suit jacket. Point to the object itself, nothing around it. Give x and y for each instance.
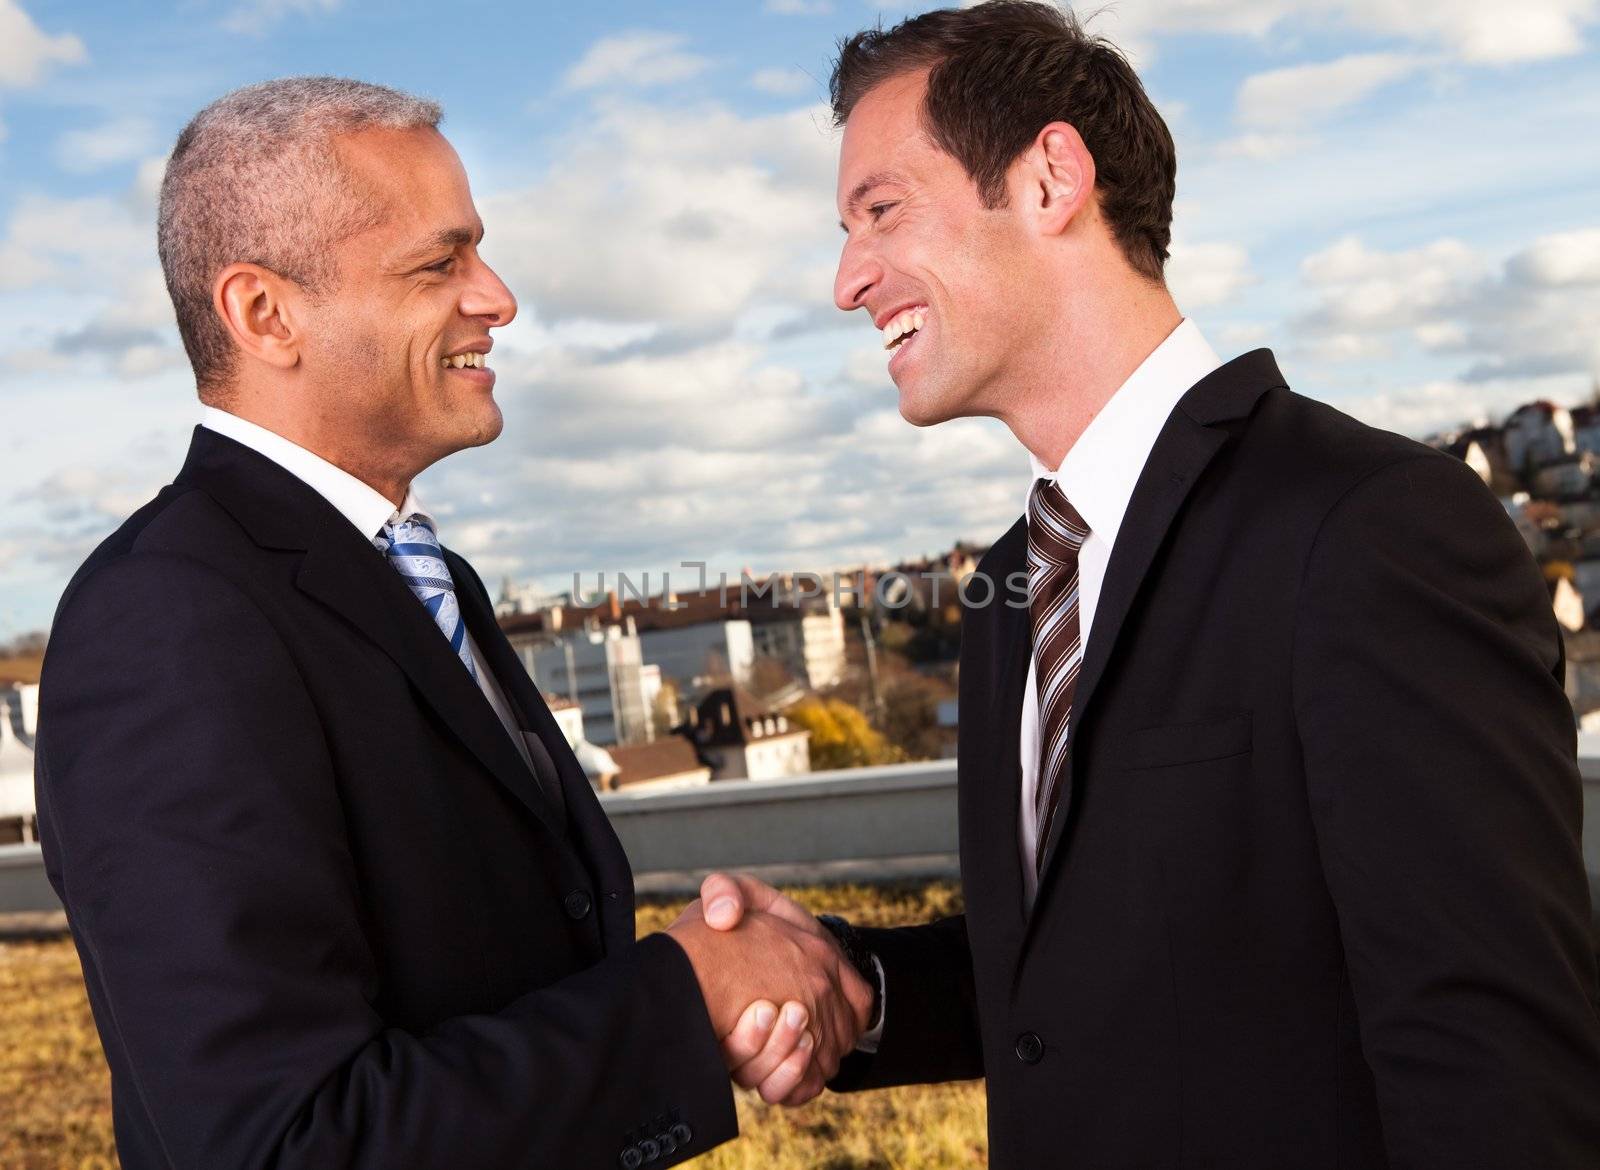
(327, 916)
(1316, 899)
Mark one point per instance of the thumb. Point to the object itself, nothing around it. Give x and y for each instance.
(725, 901)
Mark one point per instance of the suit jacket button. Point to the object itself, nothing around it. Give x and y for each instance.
(682, 1134)
(651, 1149)
(1030, 1049)
(578, 904)
(668, 1143)
(631, 1158)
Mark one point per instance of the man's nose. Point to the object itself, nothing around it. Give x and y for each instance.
(488, 297)
(858, 272)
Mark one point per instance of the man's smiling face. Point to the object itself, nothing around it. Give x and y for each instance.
(944, 278)
(401, 344)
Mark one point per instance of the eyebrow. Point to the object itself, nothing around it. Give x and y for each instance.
(876, 179)
(446, 239)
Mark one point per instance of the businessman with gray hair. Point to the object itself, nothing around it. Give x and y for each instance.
(342, 894)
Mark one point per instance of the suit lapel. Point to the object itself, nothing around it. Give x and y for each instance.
(344, 572)
(502, 662)
(995, 647)
(592, 836)
(1188, 442)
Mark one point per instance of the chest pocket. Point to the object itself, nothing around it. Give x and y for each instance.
(1185, 743)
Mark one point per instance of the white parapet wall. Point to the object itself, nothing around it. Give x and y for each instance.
(859, 814)
(896, 813)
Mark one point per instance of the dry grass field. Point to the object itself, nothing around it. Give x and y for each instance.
(55, 1105)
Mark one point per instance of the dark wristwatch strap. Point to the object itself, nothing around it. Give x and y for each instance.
(859, 957)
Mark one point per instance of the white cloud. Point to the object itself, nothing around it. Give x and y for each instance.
(26, 53)
(1568, 258)
(117, 141)
(686, 217)
(1482, 31)
(1445, 403)
(1535, 315)
(1201, 275)
(98, 255)
(1264, 146)
(783, 82)
(1242, 336)
(635, 60)
(799, 7)
(1284, 99)
(1367, 289)
(255, 17)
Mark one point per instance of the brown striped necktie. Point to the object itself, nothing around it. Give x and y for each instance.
(1055, 534)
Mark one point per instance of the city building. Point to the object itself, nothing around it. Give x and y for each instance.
(699, 655)
(19, 708)
(810, 642)
(742, 739)
(599, 669)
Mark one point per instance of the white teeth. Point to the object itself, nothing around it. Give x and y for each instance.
(907, 322)
(462, 361)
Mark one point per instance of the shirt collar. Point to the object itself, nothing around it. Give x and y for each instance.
(356, 501)
(1101, 469)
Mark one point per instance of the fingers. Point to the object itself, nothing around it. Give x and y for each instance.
(750, 1035)
(810, 1086)
(788, 1037)
(790, 1074)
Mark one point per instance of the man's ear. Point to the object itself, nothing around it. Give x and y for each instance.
(257, 305)
(1056, 177)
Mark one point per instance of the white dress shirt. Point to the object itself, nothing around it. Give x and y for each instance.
(1098, 476)
(365, 508)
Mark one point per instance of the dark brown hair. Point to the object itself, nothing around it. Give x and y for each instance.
(1002, 71)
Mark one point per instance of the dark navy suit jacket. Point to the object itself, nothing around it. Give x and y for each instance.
(1315, 899)
(328, 918)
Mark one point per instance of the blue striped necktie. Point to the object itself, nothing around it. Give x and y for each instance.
(413, 549)
(1055, 534)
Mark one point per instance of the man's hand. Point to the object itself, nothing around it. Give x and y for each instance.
(769, 1050)
(771, 950)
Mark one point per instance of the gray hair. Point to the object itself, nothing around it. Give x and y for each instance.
(255, 178)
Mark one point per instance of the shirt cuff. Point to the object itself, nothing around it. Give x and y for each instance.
(871, 1038)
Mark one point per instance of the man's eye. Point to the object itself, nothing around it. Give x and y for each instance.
(877, 209)
(443, 266)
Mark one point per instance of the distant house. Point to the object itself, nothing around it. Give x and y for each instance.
(1568, 605)
(742, 739)
(19, 706)
(568, 716)
(1566, 478)
(669, 762)
(1538, 433)
(1526, 513)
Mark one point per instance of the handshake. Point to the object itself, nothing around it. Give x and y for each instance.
(753, 950)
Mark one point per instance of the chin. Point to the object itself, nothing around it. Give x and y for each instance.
(481, 430)
(926, 409)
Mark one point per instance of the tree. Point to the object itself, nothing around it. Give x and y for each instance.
(841, 737)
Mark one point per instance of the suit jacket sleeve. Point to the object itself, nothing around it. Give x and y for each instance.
(1439, 757)
(930, 1022)
(195, 836)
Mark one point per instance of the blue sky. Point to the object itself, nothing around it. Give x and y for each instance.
(1398, 197)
